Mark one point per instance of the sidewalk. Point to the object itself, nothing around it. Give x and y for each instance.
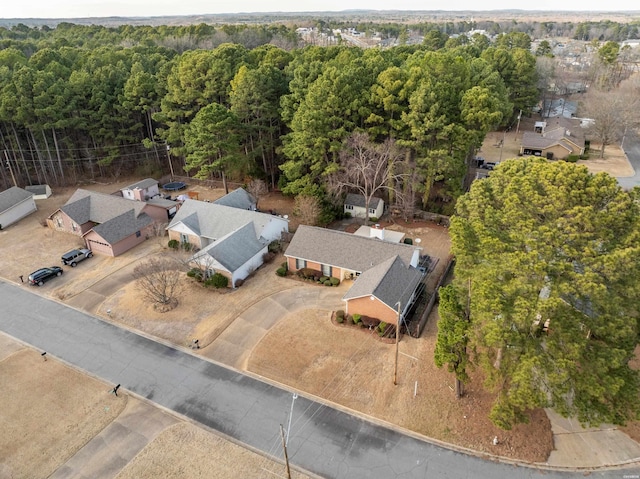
(593, 447)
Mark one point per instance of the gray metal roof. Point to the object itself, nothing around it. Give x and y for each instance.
(360, 201)
(238, 198)
(142, 184)
(122, 226)
(390, 281)
(84, 206)
(344, 250)
(11, 197)
(213, 221)
(236, 248)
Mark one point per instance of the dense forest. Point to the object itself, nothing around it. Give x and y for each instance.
(82, 102)
(78, 102)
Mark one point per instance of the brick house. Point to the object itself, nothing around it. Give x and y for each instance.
(108, 224)
(384, 272)
(557, 138)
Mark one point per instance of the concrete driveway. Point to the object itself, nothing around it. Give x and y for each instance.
(631, 147)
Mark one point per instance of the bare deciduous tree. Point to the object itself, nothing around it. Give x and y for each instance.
(613, 112)
(308, 209)
(367, 168)
(257, 188)
(159, 281)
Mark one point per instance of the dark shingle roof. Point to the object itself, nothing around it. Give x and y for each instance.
(122, 226)
(361, 202)
(11, 197)
(238, 198)
(344, 250)
(84, 206)
(390, 281)
(236, 248)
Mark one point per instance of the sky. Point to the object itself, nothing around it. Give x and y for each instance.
(146, 8)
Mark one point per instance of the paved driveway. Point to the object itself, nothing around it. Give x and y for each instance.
(631, 147)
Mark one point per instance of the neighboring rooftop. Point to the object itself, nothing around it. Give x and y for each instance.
(122, 226)
(361, 202)
(84, 206)
(380, 233)
(239, 198)
(11, 197)
(142, 184)
(345, 250)
(213, 221)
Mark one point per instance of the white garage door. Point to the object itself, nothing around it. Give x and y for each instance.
(99, 247)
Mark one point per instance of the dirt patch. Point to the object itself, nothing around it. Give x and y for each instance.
(185, 450)
(47, 413)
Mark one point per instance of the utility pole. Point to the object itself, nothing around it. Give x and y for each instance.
(286, 457)
(10, 169)
(395, 370)
(170, 165)
(518, 125)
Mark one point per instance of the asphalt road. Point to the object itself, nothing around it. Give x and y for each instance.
(631, 147)
(323, 440)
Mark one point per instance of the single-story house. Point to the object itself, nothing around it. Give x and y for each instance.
(385, 273)
(15, 204)
(380, 291)
(556, 139)
(356, 206)
(142, 190)
(108, 224)
(238, 198)
(40, 192)
(230, 241)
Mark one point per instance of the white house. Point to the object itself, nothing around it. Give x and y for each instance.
(15, 204)
(356, 206)
(230, 241)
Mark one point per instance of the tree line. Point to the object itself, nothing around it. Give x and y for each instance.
(68, 112)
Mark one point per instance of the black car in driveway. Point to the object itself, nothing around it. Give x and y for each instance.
(43, 275)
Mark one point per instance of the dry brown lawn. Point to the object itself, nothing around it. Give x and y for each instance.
(348, 366)
(48, 411)
(186, 451)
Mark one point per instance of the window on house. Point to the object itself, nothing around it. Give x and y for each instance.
(371, 210)
(74, 226)
(348, 207)
(137, 234)
(301, 263)
(59, 221)
(184, 238)
(326, 270)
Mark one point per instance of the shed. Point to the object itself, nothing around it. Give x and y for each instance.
(15, 204)
(39, 192)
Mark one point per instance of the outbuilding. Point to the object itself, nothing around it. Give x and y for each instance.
(15, 204)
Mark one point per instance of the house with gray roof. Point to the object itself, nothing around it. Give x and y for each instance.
(230, 241)
(108, 224)
(15, 204)
(356, 206)
(384, 272)
(557, 138)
